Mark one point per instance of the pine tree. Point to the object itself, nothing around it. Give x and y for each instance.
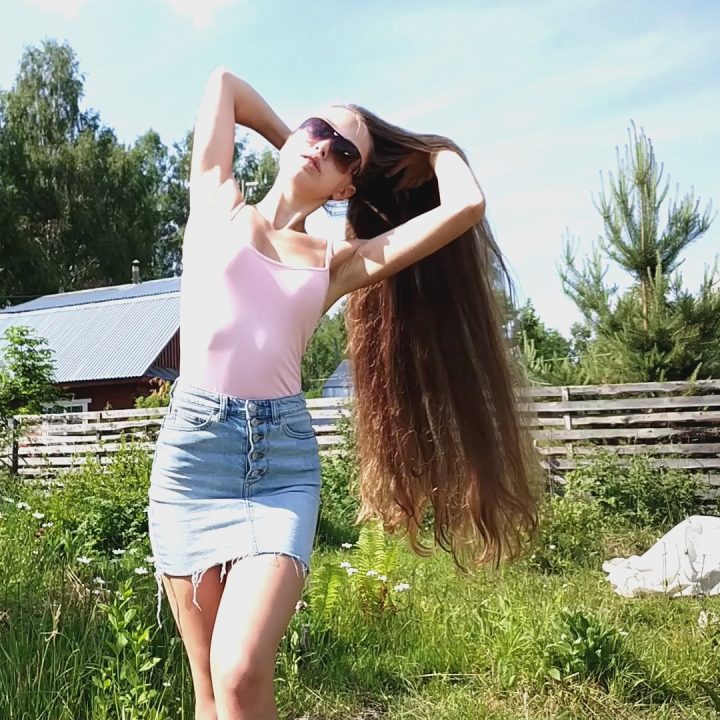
(655, 330)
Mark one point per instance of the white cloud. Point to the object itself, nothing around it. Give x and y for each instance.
(201, 13)
(69, 8)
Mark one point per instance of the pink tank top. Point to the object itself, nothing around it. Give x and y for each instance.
(245, 319)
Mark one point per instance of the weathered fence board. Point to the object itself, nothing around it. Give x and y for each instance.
(677, 424)
(623, 404)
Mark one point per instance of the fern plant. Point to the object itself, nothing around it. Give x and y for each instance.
(375, 563)
(325, 591)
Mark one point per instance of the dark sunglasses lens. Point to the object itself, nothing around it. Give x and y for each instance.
(317, 129)
(344, 153)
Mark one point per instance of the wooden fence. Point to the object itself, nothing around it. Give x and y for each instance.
(676, 424)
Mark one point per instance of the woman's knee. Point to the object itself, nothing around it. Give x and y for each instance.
(245, 679)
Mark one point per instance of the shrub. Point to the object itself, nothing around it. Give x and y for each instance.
(571, 532)
(159, 395)
(638, 493)
(103, 507)
(339, 499)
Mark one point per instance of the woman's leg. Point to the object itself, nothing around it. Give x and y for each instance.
(196, 628)
(255, 610)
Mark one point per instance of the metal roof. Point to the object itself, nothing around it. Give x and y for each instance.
(341, 376)
(94, 295)
(108, 333)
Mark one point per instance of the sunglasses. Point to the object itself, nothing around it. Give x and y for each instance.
(344, 153)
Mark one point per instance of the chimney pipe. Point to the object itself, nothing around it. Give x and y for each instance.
(136, 272)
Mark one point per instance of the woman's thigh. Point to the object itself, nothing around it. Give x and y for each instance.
(194, 623)
(255, 610)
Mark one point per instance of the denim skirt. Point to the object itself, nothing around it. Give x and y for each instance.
(232, 478)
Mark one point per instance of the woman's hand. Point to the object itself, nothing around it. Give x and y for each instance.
(416, 168)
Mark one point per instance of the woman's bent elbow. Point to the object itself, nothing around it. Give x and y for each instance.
(476, 210)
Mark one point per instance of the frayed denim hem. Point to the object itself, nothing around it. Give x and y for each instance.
(197, 575)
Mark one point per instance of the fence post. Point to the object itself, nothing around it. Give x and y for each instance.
(98, 437)
(567, 419)
(15, 464)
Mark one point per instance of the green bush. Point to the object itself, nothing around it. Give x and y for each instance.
(159, 395)
(103, 507)
(571, 532)
(339, 499)
(638, 494)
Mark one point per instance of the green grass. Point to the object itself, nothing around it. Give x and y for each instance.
(516, 643)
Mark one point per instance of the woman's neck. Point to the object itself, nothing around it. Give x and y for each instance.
(284, 211)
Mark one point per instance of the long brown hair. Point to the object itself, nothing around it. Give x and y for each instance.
(438, 428)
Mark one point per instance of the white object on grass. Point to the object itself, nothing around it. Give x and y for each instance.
(683, 562)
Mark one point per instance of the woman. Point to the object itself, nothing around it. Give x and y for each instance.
(236, 476)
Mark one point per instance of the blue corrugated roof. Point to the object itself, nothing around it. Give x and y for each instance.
(114, 332)
(94, 295)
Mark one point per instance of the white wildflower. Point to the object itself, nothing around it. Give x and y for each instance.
(345, 564)
(402, 587)
(8, 500)
(149, 559)
(141, 571)
(351, 570)
(703, 619)
(300, 605)
(99, 581)
(372, 573)
(118, 552)
(38, 515)
(84, 560)
(347, 546)
(47, 524)
(22, 506)
(552, 547)
(166, 683)
(382, 578)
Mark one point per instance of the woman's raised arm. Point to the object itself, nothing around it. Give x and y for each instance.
(462, 205)
(227, 100)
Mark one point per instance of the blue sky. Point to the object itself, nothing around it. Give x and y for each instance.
(539, 94)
